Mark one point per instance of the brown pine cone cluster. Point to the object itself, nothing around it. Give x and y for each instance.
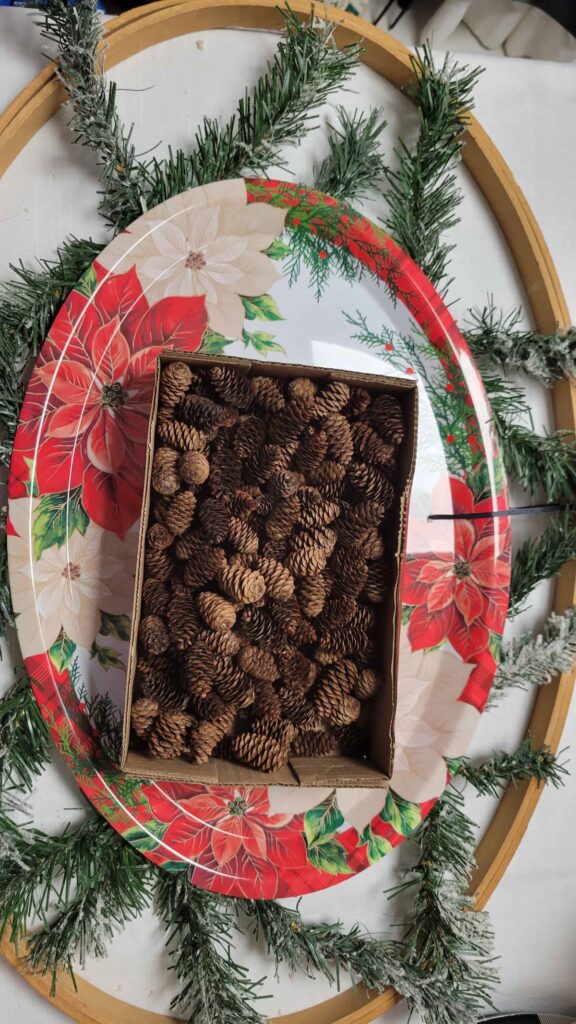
(265, 561)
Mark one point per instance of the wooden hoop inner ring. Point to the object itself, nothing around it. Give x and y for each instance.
(141, 28)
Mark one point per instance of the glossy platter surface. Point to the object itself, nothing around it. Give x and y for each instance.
(250, 268)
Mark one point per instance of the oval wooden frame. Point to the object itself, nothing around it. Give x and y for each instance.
(139, 29)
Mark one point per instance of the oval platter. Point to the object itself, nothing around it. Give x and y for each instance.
(256, 268)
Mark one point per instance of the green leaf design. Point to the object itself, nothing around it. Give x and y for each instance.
(107, 657)
(213, 344)
(321, 822)
(278, 250)
(56, 518)
(88, 283)
(31, 483)
(406, 613)
(331, 857)
(145, 839)
(377, 846)
(118, 626)
(62, 651)
(175, 867)
(402, 815)
(496, 646)
(261, 307)
(262, 342)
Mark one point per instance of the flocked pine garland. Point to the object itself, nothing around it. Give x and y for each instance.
(443, 964)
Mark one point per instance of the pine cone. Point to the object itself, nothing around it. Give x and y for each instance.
(286, 615)
(357, 520)
(338, 612)
(217, 613)
(297, 670)
(324, 657)
(153, 634)
(316, 510)
(307, 561)
(249, 436)
(360, 399)
(194, 468)
(297, 708)
(312, 592)
(330, 479)
(243, 585)
(182, 622)
(367, 684)
(165, 478)
(261, 629)
(370, 447)
(258, 751)
(340, 444)
(225, 473)
(144, 713)
(175, 380)
(302, 387)
(378, 582)
(284, 483)
(159, 565)
(344, 640)
(158, 537)
(264, 463)
(155, 597)
(334, 705)
(387, 417)
(235, 687)
(349, 570)
(364, 617)
(342, 675)
(279, 523)
(169, 734)
(242, 560)
(373, 546)
(332, 398)
(232, 387)
(204, 701)
(311, 451)
(215, 517)
(316, 537)
(204, 568)
(275, 549)
(268, 394)
(370, 482)
(200, 662)
(242, 537)
(225, 644)
(313, 744)
(203, 740)
(278, 579)
(266, 704)
(180, 512)
(181, 436)
(290, 422)
(258, 663)
(201, 412)
(352, 740)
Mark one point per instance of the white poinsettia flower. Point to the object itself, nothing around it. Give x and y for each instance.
(430, 722)
(67, 587)
(208, 241)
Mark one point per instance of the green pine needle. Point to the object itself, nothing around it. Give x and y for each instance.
(214, 989)
(24, 742)
(496, 336)
(542, 558)
(423, 194)
(503, 769)
(355, 166)
(536, 660)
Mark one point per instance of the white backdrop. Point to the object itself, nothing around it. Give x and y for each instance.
(530, 110)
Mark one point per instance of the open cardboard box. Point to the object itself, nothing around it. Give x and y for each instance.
(331, 770)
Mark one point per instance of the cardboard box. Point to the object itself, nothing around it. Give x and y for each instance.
(331, 770)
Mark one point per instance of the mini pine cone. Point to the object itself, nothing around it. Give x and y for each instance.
(259, 751)
(155, 597)
(343, 675)
(349, 570)
(182, 622)
(201, 412)
(297, 708)
(332, 398)
(307, 561)
(297, 670)
(290, 422)
(261, 629)
(168, 736)
(242, 536)
(371, 482)
(243, 585)
(144, 713)
(158, 537)
(340, 443)
(315, 537)
(386, 416)
(165, 477)
(231, 386)
(159, 565)
(226, 644)
(368, 683)
(180, 512)
(194, 468)
(334, 705)
(313, 743)
(217, 613)
(267, 704)
(181, 436)
(302, 387)
(279, 581)
(369, 446)
(279, 524)
(312, 591)
(258, 663)
(330, 479)
(315, 510)
(311, 450)
(175, 380)
(268, 394)
(215, 517)
(154, 635)
(249, 436)
(204, 739)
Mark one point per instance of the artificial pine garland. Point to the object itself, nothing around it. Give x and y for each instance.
(496, 335)
(536, 660)
(85, 882)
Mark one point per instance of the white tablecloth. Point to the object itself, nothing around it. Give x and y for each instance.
(530, 110)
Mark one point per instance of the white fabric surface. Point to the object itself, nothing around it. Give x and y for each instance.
(50, 192)
(522, 31)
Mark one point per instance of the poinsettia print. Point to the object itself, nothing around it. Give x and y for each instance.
(85, 417)
(459, 591)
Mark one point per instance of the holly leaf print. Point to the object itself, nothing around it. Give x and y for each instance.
(402, 815)
(261, 307)
(376, 846)
(88, 283)
(262, 342)
(107, 657)
(322, 821)
(56, 518)
(214, 344)
(145, 839)
(62, 651)
(118, 626)
(329, 856)
(278, 250)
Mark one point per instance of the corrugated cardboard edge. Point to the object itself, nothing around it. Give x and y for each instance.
(326, 771)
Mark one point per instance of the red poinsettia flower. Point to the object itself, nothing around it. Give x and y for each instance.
(85, 416)
(461, 594)
(229, 832)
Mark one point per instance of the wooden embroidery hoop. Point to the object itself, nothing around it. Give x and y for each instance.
(139, 29)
